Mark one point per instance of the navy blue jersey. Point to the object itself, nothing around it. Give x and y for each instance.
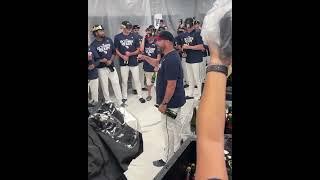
(151, 50)
(140, 41)
(102, 49)
(193, 38)
(128, 43)
(92, 74)
(177, 41)
(206, 51)
(171, 69)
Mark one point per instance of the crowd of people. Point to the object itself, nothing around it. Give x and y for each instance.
(173, 64)
(134, 52)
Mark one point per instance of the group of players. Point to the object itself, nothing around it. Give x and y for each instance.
(141, 56)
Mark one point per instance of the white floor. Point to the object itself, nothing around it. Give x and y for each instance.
(148, 117)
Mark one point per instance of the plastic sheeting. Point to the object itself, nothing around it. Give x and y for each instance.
(111, 13)
(211, 25)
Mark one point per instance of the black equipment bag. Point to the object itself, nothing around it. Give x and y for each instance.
(112, 144)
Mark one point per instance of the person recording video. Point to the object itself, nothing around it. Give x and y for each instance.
(103, 50)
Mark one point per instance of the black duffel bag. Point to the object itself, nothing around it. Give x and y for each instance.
(112, 144)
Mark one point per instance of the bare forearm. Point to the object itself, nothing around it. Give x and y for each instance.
(169, 92)
(210, 128)
(135, 52)
(112, 58)
(104, 60)
(142, 45)
(197, 47)
(119, 54)
(153, 61)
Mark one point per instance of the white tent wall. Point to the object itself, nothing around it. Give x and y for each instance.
(111, 13)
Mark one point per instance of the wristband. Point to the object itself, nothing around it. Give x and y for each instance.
(218, 68)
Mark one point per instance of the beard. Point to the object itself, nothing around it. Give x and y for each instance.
(161, 49)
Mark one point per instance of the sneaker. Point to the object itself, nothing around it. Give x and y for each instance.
(124, 100)
(134, 91)
(159, 163)
(186, 86)
(149, 98)
(188, 97)
(144, 89)
(142, 100)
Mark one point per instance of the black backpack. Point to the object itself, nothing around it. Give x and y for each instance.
(112, 144)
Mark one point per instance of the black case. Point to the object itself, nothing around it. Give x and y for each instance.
(175, 168)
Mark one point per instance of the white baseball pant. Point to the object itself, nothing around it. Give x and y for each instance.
(93, 86)
(124, 76)
(104, 75)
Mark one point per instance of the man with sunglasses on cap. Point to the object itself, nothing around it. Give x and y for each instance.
(136, 29)
(192, 44)
(127, 48)
(170, 95)
(103, 50)
(151, 56)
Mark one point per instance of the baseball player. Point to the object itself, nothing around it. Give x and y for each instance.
(151, 57)
(192, 44)
(93, 82)
(103, 50)
(136, 29)
(206, 53)
(127, 48)
(170, 96)
(180, 31)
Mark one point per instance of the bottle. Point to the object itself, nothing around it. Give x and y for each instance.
(153, 79)
(188, 170)
(193, 171)
(169, 112)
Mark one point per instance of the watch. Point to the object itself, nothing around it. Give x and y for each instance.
(218, 68)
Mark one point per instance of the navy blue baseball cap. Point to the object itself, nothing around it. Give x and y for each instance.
(165, 35)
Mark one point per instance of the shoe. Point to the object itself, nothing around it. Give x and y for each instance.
(123, 105)
(188, 97)
(159, 163)
(149, 98)
(124, 100)
(144, 89)
(186, 86)
(134, 91)
(142, 100)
